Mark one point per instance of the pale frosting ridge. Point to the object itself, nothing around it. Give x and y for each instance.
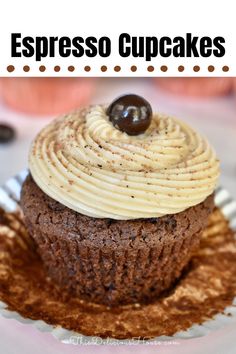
(84, 162)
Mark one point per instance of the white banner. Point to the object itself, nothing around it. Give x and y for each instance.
(117, 38)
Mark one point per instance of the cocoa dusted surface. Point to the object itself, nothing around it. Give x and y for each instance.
(206, 288)
(109, 261)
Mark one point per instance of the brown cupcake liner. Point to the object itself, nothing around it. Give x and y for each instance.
(203, 300)
(111, 262)
(94, 273)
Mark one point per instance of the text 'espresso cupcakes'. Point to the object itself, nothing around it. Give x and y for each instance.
(117, 199)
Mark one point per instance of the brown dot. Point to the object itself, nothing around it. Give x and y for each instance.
(133, 68)
(103, 68)
(225, 68)
(42, 68)
(117, 68)
(26, 68)
(164, 68)
(196, 68)
(57, 68)
(71, 68)
(211, 68)
(181, 68)
(87, 68)
(10, 68)
(150, 68)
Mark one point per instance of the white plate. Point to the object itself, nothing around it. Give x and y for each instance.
(9, 197)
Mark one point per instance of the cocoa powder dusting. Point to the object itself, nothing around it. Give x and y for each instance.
(207, 287)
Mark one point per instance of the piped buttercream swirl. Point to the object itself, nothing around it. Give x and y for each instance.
(85, 163)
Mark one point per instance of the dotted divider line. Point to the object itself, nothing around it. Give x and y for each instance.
(117, 68)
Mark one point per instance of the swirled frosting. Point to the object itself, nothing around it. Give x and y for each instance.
(85, 163)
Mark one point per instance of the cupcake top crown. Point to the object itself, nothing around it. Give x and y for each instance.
(123, 162)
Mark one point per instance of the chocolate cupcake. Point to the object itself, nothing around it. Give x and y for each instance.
(117, 199)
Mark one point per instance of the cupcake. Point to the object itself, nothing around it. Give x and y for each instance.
(44, 95)
(196, 86)
(117, 199)
(234, 86)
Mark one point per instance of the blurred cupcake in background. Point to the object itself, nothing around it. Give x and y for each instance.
(196, 86)
(46, 96)
(234, 85)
